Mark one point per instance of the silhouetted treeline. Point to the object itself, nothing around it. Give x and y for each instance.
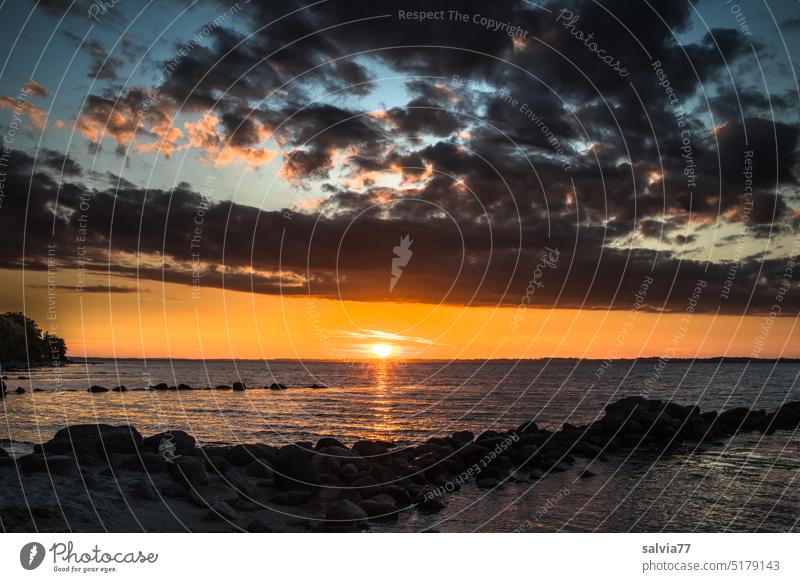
(22, 341)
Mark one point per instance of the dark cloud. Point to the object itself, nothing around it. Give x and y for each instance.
(500, 145)
(60, 162)
(348, 254)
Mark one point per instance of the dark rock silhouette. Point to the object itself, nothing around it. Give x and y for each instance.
(345, 487)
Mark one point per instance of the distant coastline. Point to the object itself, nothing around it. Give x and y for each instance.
(649, 359)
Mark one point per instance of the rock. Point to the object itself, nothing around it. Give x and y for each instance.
(366, 486)
(368, 448)
(119, 389)
(259, 525)
(487, 434)
(378, 510)
(528, 427)
(20, 390)
(787, 416)
(400, 494)
(488, 483)
(222, 387)
(276, 386)
(3, 453)
(96, 389)
(464, 436)
(345, 493)
(243, 504)
(189, 471)
(292, 471)
(342, 510)
(318, 386)
(199, 498)
(237, 478)
(325, 442)
(327, 480)
(292, 498)
(220, 511)
(244, 454)
(239, 386)
(586, 474)
(98, 441)
(53, 464)
(144, 490)
(171, 489)
(430, 504)
(146, 461)
(184, 442)
(160, 387)
(216, 463)
(183, 387)
(743, 419)
(260, 469)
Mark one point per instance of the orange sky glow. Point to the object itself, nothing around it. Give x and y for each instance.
(164, 320)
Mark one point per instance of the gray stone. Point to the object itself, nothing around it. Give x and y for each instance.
(189, 471)
(259, 469)
(292, 498)
(343, 510)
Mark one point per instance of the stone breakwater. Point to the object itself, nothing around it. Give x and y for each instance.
(162, 387)
(325, 485)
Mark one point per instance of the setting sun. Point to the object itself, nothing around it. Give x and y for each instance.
(382, 350)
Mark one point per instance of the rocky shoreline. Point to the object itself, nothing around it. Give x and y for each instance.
(111, 478)
(161, 387)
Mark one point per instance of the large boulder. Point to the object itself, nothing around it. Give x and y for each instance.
(189, 471)
(343, 510)
(239, 386)
(97, 389)
(329, 442)
(787, 416)
(379, 509)
(368, 448)
(146, 461)
(292, 498)
(93, 440)
(259, 469)
(244, 454)
(183, 441)
(463, 437)
(292, 470)
(53, 464)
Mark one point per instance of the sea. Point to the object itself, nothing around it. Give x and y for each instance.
(746, 483)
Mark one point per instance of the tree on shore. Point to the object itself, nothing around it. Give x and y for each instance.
(21, 340)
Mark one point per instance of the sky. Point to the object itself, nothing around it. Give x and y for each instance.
(454, 179)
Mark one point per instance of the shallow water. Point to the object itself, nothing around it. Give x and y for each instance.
(747, 483)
